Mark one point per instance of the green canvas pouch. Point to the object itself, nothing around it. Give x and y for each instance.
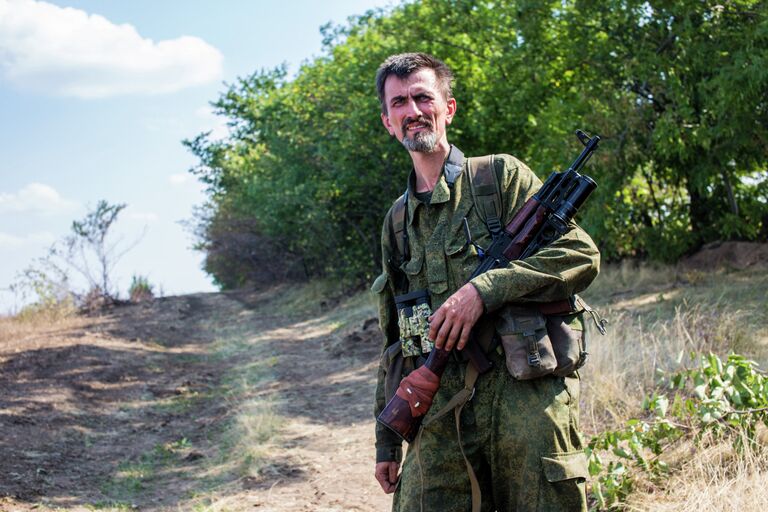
(567, 334)
(527, 347)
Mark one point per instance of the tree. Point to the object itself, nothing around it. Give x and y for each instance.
(676, 90)
(88, 251)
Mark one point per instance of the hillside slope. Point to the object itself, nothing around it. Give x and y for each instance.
(211, 400)
(245, 400)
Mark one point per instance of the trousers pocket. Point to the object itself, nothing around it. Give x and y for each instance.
(568, 342)
(527, 348)
(563, 486)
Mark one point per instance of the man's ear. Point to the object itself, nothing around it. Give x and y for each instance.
(450, 110)
(387, 124)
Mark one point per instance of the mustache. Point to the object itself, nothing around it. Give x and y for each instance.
(420, 119)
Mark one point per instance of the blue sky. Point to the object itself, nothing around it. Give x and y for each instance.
(95, 98)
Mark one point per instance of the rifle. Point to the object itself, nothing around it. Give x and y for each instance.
(544, 218)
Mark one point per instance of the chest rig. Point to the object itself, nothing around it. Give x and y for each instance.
(486, 196)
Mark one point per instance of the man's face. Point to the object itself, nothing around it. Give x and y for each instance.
(417, 112)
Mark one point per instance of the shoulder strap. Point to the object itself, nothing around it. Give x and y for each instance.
(486, 192)
(453, 164)
(397, 229)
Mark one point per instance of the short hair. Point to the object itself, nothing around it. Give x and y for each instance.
(403, 64)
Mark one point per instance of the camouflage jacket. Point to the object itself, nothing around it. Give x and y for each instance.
(442, 260)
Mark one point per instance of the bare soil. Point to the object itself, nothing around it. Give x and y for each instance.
(121, 410)
(727, 255)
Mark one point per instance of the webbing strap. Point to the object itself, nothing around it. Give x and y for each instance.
(486, 192)
(399, 229)
(477, 497)
(457, 403)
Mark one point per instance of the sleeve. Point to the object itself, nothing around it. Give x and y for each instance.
(388, 444)
(555, 272)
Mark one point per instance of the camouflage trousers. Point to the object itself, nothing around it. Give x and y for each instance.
(521, 438)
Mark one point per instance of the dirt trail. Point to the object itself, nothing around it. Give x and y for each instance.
(126, 411)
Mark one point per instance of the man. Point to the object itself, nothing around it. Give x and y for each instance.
(517, 440)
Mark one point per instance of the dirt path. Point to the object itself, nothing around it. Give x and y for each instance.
(136, 409)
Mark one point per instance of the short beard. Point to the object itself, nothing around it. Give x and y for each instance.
(422, 142)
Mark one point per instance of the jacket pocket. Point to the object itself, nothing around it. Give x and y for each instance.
(379, 284)
(413, 266)
(527, 347)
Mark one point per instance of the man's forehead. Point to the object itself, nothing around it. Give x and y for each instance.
(420, 79)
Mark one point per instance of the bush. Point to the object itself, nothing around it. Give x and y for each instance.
(140, 289)
(720, 400)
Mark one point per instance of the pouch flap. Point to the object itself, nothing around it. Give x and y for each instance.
(413, 266)
(511, 321)
(390, 353)
(455, 246)
(379, 283)
(565, 466)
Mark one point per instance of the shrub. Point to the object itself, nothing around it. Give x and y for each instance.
(140, 289)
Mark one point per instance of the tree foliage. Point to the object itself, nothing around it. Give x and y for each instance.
(676, 89)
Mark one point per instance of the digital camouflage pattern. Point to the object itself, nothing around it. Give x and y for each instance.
(414, 330)
(525, 434)
(522, 438)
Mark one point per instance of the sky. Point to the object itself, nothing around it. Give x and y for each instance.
(95, 99)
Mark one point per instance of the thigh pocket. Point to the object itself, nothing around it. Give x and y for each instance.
(563, 483)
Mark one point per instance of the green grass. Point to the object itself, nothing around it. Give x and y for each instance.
(133, 479)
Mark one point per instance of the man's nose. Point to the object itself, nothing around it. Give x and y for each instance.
(412, 108)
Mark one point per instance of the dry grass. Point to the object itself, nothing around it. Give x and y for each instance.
(657, 317)
(35, 322)
(711, 477)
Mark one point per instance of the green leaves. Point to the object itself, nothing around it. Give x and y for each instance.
(676, 90)
(727, 399)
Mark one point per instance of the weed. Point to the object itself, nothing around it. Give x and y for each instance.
(111, 506)
(141, 290)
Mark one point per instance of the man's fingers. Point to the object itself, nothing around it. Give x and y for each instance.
(442, 335)
(381, 477)
(393, 472)
(464, 337)
(435, 322)
(386, 475)
(454, 335)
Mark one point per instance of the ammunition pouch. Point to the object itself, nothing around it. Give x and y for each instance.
(536, 345)
(413, 311)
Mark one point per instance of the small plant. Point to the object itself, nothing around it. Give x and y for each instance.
(724, 400)
(140, 289)
(48, 285)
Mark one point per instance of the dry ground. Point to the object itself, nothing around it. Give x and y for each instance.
(139, 409)
(248, 401)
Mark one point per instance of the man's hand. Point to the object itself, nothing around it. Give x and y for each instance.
(454, 320)
(386, 474)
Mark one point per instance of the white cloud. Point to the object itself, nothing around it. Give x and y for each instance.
(180, 178)
(36, 198)
(43, 238)
(69, 52)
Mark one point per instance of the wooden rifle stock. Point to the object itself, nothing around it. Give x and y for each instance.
(541, 220)
(405, 411)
